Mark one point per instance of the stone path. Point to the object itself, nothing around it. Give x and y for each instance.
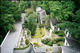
(12, 38)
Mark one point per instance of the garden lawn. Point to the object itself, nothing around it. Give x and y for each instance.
(39, 33)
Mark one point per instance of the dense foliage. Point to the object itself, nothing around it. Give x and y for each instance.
(67, 13)
(59, 33)
(47, 41)
(10, 12)
(61, 10)
(31, 22)
(59, 41)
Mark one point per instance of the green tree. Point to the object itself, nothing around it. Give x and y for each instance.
(9, 13)
(76, 17)
(55, 9)
(31, 22)
(33, 5)
(67, 10)
(6, 24)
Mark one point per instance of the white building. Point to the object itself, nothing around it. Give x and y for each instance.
(42, 14)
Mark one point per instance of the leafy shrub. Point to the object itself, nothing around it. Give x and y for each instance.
(50, 43)
(28, 32)
(36, 44)
(41, 25)
(59, 39)
(75, 33)
(10, 12)
(27, 42)
(23, 5)
(60, 43)
(59, 33)
(6, 23)
(50, 49)
(39, 33)
(31, 22)
(46, 50)
(44, 41)
(29, 11)
(47, 41)
(48, 27)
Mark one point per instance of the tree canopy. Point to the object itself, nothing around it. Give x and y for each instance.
(67, 13)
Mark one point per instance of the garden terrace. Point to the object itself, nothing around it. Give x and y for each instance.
(45, 26)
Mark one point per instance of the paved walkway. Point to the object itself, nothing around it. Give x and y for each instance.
(12, 38)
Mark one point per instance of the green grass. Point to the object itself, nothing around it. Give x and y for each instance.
(39, 33)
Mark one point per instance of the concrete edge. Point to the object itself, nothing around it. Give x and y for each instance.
(5, 38)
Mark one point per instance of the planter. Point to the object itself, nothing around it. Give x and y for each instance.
(26, 46)
(23, 50)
